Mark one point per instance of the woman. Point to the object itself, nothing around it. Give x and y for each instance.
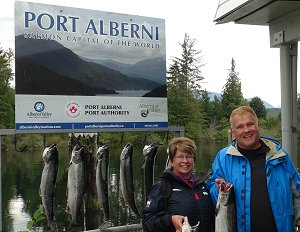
(188, 195)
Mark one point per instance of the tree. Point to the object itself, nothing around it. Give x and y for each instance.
(185, 72)
(258, 106)
(216, 109)
(183, 80)
(6, 92)
(207, 107)
(6, 74)
(231, 96)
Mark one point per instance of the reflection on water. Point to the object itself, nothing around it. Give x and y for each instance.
(21, 174)
(17, 213)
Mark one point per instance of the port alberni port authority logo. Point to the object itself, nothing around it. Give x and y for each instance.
(73, 110)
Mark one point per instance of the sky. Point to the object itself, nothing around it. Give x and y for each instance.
(257, 64)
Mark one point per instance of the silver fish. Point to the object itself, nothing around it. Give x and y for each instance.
(48, 182)
(126, 178)
(149, 152)
(102, 164)
(186, 227)
(75, 185)
(226, 211)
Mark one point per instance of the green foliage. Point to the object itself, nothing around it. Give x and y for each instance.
(61, 140)
(216, 110)
(6, 74)
(136, 138)
(206, 120)
(232, 95)
(7, 100)
(185, 71)
(258, 106)
(184, 78)
(223, 132)
(273, 112)
(32, 141)
(271, 126)
(209, 134)
(37, 217)
(207, 108)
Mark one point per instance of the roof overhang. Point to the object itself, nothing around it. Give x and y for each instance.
(282, 17)
(253, 12)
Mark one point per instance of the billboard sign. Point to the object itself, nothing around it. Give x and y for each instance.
(85, 69)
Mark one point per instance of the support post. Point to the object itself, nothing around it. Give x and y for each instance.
(288, 75)
(0, 184)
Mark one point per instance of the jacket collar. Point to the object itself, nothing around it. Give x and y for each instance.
(274, 145)
(199, 177)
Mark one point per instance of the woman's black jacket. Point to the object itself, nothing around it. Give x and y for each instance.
(195, 203)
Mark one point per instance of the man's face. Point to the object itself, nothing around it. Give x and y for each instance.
(245, 130)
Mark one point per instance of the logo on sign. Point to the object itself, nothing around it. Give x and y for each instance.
(39, 112)
(144, 113)
(73, 110)
(39, 106)
(149, 109)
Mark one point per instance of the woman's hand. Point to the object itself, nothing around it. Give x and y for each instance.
(177, 221)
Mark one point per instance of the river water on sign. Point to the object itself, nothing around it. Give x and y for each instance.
(21, 177)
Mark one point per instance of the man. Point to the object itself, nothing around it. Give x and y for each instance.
(266, 183)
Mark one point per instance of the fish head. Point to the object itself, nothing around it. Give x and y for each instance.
(77, 154)
(150, 151)
(146, 150)
(102, 151)
(127, 151)
(50, 153)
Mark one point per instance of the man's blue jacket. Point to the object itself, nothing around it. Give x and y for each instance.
(283, 184)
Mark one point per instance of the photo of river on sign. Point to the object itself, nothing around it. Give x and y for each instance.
(23, 178)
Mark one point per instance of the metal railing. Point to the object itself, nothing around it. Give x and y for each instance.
(125, 228)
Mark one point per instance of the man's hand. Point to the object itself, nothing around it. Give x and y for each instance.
(177, 222)
(222, 185)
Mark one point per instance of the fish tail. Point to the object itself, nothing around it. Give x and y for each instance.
(74, 226)
(52, 226)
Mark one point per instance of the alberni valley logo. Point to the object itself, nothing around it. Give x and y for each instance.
(39, 111)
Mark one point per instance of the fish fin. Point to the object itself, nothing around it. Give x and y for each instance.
(67, 208)
(217, 209)
(74, 227)
(195, 227)
(104, 225)
(143, 164)
(52, 226)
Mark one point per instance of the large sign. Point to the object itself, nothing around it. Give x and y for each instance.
(85, 69)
